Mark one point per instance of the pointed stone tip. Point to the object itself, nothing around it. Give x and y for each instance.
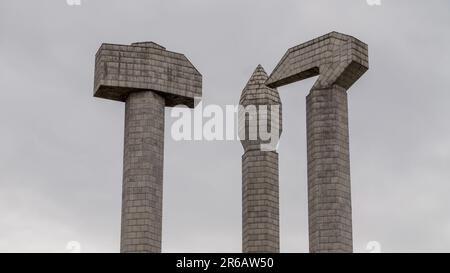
(260, 69)
(259, 76)
(149, 44)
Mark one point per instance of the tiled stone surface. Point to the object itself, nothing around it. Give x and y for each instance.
(338, 59)
(257, 94)
(122, 69)
(329, 197)
(260, 186)
(143, 173)
(260, 202)
(147, 77)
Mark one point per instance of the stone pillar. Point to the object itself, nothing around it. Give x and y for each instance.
(339, 60)
(143, 173)
(147, 78)
(260, 202)
(260, 187)
(329, 198)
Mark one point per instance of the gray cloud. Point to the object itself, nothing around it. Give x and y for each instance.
(61, 149)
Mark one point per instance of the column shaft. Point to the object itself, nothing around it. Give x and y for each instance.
(329, 197)
(143, 173)
(260, 209)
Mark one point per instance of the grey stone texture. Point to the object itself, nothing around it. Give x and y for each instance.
(329, 198)
(339, 60)
(122, 69)
(147, 78)
(260, 185)
(143, 173)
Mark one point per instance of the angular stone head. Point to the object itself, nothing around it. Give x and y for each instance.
(146, 66)
(260, 114)
(339, 59)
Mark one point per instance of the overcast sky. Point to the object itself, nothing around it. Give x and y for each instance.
(61, 149)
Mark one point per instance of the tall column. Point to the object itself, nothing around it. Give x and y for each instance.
(329, 198)
(260, 202)
(339, 60)
(143, 173)
(147, 78)
(260, 186)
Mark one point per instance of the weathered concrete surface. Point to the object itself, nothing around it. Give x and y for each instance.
(339, 60)
(260, 185)
(122, 69)
(329, 197)
(143, 162)
(147, 78)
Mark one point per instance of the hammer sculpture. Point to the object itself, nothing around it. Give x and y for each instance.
(147, 78)
(339, 60)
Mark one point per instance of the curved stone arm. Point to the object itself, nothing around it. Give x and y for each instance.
(339, 59)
